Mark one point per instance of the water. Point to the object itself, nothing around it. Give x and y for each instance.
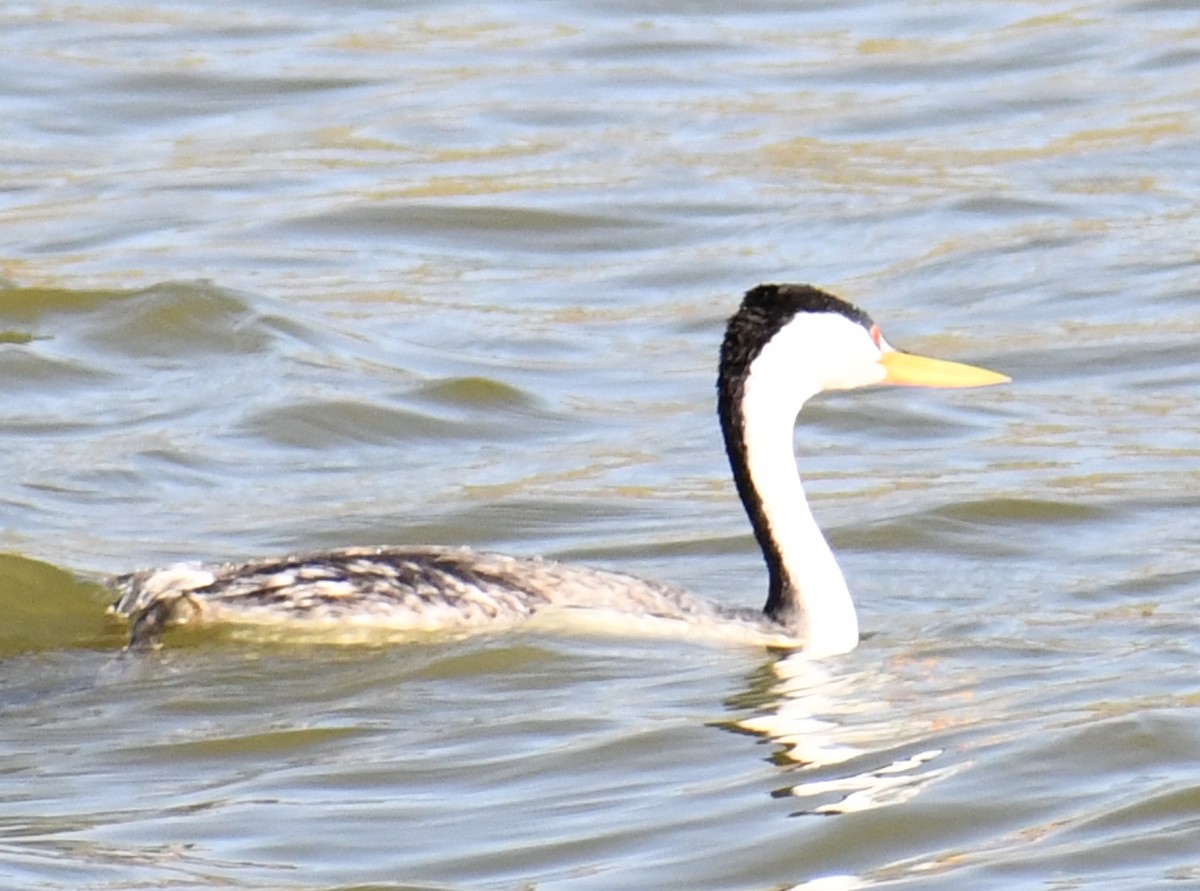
(294, 277)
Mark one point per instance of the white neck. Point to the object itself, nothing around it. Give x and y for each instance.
(817, 601)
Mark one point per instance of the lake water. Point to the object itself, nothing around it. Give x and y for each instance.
(299, 276)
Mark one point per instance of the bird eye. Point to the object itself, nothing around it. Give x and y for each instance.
(877, 336)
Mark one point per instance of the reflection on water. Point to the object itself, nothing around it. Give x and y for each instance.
(894, 783)
(824, 719)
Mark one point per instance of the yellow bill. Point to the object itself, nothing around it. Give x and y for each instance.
(909, 370)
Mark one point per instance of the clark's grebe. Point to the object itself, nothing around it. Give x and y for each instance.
(785, 344)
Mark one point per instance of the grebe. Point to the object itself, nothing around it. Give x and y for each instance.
(785, 344)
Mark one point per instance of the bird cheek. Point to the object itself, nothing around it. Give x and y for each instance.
(855, 375)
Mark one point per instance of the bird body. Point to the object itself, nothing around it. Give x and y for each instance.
(785, 344)
(411, 591)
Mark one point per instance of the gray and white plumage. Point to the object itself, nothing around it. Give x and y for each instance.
(397, 588)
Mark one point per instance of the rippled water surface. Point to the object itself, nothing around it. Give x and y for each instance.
(298, 276)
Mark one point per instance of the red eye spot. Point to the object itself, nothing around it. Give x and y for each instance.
(876, 335)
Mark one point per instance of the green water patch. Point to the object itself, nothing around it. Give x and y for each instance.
(30, 305)
(48, 608)
(473, 392)
(166, 319)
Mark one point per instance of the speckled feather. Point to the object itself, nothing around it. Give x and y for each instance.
(423, 588)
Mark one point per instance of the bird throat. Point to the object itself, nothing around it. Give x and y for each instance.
(808, 592)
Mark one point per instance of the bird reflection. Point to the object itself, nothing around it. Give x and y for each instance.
(840, 735)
